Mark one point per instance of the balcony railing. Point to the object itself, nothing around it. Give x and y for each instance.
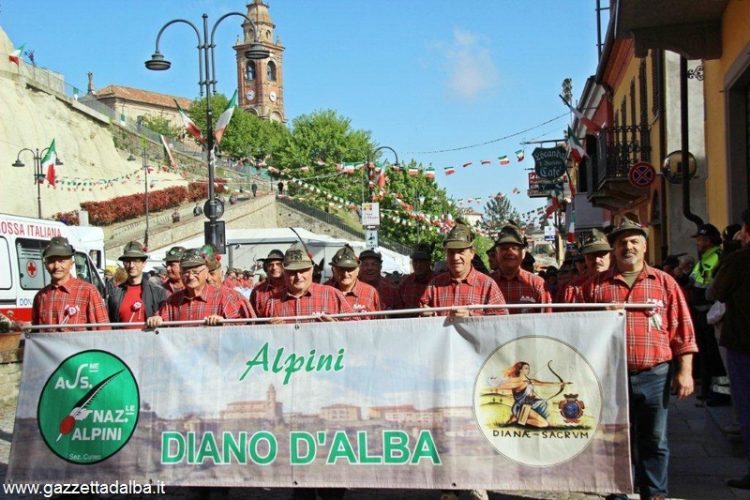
(618, 148)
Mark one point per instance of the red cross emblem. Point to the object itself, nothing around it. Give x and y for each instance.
(31, 268)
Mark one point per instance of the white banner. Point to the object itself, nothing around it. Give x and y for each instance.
(523, 402)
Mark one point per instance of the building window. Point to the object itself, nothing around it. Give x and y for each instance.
(271, 71)
(250, 71)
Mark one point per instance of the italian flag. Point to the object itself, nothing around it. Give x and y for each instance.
(485, 162)
(575, 149)
(225, 117)
(572, 228)
(168, 149)
(15, 56)
(449, 170)
(520, 155)
(48, 162)
(467, 164)
(504, 160)
(430, 173)
(189, 124)
(587, 122)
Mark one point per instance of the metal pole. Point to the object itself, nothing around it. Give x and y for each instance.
(37, 179)
(207, 78)
(145, 200)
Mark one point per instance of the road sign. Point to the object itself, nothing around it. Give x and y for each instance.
(371, 239)
(371, 214)
(549, 163)
(642, 174)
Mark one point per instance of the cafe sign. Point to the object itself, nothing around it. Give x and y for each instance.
(549, 163)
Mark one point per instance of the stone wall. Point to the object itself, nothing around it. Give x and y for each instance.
(247, 213)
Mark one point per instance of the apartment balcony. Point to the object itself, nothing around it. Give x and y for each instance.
(617, 149)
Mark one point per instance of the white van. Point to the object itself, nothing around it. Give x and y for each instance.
(22, 271)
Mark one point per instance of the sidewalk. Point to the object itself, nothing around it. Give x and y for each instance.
(702, 459)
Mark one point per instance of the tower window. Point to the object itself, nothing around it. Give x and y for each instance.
(250, 71)
(271, 71)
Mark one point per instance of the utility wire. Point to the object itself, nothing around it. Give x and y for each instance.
(520, 132)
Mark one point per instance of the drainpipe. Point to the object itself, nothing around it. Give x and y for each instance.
(662, 154)
(684, 146)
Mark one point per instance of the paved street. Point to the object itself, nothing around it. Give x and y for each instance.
(703, 457)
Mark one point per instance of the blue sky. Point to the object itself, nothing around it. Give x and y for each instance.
(421, 75)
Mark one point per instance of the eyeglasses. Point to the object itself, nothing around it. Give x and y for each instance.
(193, 272)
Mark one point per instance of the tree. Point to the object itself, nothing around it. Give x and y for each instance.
(247, 135)
(497, 213)
(160, 125)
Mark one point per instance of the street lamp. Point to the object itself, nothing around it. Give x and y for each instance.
(369, 175)
(213, 228)
(38, 173)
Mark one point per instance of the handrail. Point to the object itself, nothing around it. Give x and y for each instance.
(366, 314)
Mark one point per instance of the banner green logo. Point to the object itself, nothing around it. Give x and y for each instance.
(89, 407)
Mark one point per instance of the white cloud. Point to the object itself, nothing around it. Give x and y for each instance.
(470, 68)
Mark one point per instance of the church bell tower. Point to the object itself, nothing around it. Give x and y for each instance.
(260, 84)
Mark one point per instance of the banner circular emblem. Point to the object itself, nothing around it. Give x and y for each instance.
(537, 401)
(88, 408)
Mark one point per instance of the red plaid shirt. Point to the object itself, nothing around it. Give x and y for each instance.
(653, 336)
(180, 307)
(319, 299)
(524, 288)
(173, 287)
(389, 296)
(572, 291)
(74, 302)
(362, 297)
(246, 310)
(411, 289)
(475, 289)
(262, 293)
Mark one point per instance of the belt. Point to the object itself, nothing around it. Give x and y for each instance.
(643, 370)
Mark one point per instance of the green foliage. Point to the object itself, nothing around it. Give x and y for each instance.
(160, 125)
(320, 140)
(497, 213)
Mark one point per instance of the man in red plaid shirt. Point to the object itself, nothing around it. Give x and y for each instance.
(596, 254)
(198, 300)
(654, 337)
(173, 282)
(518, 285)
(413, 286)
(273, 265)
(301, 296)
(66, 300)
(462, 285)
(216, 280)
(361, 296)
(370, 266)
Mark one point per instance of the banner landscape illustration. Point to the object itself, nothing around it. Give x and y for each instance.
(527, 402)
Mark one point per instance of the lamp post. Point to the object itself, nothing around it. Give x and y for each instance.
(38, 173)
(420, 199)
(370, 157)
(145, 198)
(213, 228)
(369, 176)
